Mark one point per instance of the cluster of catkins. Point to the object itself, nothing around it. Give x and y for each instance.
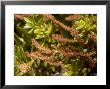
(73, 47)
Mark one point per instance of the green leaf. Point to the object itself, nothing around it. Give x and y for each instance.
(32, 73)
(80, 24)
(39, 36)
(93, 27)
(45, 64)
(30, 31)
(37, 30)
(68, 66)
(53, 68)
(18, 40)
(38, 62)
(47, 73)
(18, 51)
(49, 30)
(28, 25)
(84, 70)
(21, 30)
(68, 73)
(27, 20)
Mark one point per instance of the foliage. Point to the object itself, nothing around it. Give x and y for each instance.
(55, 45)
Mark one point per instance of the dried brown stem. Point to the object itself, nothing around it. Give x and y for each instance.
(93, 37)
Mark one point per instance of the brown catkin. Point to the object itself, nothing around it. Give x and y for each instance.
(87, 56)
(93, 37)
(91, 63)
(42, 49)
(38, 55)
(72, 31)
(60, 38)
(21, 16)
(69, 48)
(23, 67)
(81, 41)
(73, 17)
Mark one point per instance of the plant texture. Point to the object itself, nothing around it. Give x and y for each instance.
(55, 44)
